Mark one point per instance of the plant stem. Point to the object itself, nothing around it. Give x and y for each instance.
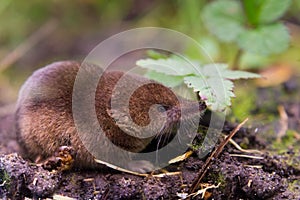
(236, 61)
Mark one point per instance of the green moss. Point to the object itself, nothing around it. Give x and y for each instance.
(210, 142)
(292, 159)
(218, 178)
(242, 105)
(288, 141)
(294, 186)
(4, 179)
(283, 147)
(245, 143)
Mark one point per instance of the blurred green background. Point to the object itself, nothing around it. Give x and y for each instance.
(34, 33)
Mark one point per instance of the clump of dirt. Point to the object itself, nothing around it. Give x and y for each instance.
(246, 181)
(19, 179)
(239, 178)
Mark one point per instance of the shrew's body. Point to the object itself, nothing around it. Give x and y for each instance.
(45, 119)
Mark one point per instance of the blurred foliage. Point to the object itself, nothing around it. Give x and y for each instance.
(20, 18)
(251, 24)
(224, 18)
(288, 141)
(83, 24)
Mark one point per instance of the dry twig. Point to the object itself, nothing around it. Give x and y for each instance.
(136, 173)
(283, 122)
(213, 156)
(243, 150)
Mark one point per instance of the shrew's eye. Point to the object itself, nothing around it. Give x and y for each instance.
(162, 108)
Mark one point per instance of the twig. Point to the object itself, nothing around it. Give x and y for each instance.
(236, 60)
(2, 184)
(20, 50)
(136, 173)
(254, 166)
(203, 191)
(246, 156)
(283, 122)
(213, 156)
(181, 157)
(61, 197)
(243, 150)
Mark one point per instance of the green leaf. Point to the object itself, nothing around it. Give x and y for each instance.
(221, 70)
(172, 66)
(253, 61)
(265, 11)
(214, 85)
(155, 54)
(250, 7)
(234, 75)
(209, 49)
(216, 92)
(270, 39)
(224, 18)
(271, 10)
(167, 80)
(212, 81)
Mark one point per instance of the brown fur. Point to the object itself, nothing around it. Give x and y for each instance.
(44, 113)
